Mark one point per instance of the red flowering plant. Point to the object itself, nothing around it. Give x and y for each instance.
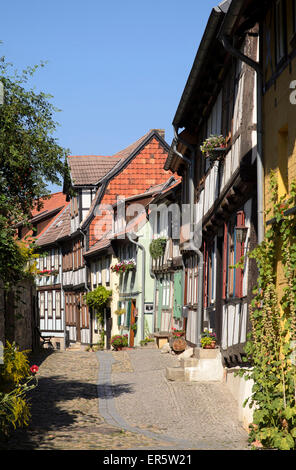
(124, 266)
(34, 369)
(119, 341)
(48, 272)
(177, 333)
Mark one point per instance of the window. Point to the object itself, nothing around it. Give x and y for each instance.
(280, 30)
(233, 251)
(56, 260)
(58, 304)
(108, 262)
(94, 274)
(210, 273)
(191, 287)
(42, 306)
(166, 291)
(99, 272)
(49, 304)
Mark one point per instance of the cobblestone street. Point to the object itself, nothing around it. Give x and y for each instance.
(78, 404)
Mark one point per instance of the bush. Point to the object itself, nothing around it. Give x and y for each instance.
(16, 380)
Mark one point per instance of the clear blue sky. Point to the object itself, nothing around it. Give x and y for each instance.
(116, 69)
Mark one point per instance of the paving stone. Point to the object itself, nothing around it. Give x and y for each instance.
(122, 400)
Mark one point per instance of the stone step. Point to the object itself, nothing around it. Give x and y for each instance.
(175, 374)
(189, 362)
(204, 366)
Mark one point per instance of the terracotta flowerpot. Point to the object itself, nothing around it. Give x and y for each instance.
(210, 346)
(179, 344)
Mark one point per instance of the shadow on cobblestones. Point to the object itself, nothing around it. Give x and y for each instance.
(66, 398)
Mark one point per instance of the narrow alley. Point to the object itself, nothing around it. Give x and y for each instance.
(107, 401)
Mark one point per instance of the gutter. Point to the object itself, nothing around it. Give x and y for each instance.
(193, 244)
(129, 235)
(257, 68)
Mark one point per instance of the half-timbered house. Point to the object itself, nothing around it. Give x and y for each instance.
(166, 262)
(219, 99)
(137, 168)
(43, 228)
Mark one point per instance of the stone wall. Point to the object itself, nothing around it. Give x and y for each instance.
(18, 316)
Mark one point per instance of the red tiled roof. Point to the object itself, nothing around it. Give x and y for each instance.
(54, 201)
(89, 169)
(58, 229)
(145, 170)
(100, 245)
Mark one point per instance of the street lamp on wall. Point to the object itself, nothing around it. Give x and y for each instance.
(241, 234)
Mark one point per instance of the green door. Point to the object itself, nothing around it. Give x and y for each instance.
(178, 291)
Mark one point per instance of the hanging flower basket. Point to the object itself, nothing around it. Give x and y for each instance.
(124, 266)
(214, 147)
(157, 247)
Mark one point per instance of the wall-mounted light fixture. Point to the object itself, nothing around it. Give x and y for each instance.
(241, 234)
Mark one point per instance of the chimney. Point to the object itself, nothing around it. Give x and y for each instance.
(161, 132)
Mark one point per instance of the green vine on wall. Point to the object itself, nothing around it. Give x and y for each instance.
(273, 329)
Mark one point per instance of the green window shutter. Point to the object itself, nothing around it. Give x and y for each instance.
(128, 313)
(178, 291)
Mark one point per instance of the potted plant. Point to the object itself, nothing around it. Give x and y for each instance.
(177, 340)
(208, 339)
(157, 247)
(177, 333)
(119, 341)
(120, 311)
(124, 266)
(214, 147)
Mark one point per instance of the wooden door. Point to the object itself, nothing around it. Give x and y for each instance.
(77, 314)
(132, 322)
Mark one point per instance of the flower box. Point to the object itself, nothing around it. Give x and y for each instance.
(124, 266)
(214, 147)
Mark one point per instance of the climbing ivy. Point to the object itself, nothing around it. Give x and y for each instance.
(270, 345)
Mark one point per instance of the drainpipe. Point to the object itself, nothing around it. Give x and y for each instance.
(193, 245)
(260, 170)
(143, 280)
